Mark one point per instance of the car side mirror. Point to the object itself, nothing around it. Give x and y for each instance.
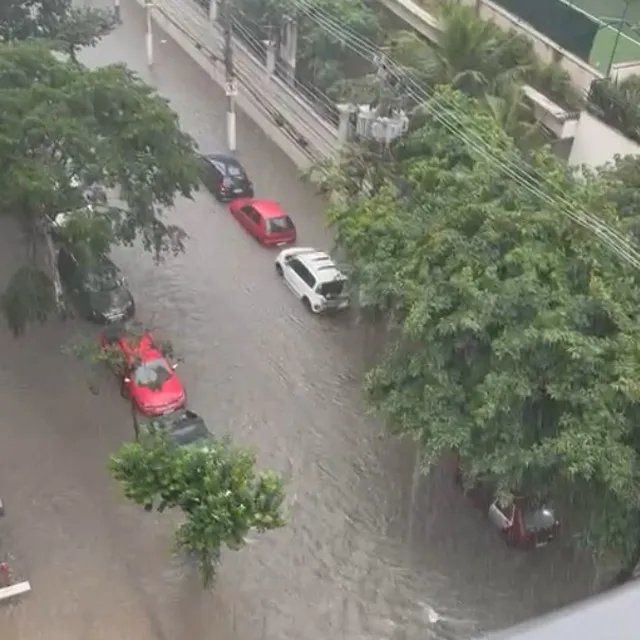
(127, 380)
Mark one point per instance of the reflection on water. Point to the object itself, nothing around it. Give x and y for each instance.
(372, 550)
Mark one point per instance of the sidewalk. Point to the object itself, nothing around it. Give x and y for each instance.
(285, 117)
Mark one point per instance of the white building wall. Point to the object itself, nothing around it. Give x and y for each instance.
(596, 143)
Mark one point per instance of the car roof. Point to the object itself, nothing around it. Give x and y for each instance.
(183, 426)
(321, 265)
(221, 157)
(97, 262)
(268, 208)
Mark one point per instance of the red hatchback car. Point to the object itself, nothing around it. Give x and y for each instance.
(148, 378)
(264, 220)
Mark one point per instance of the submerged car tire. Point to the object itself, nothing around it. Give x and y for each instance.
(307, 304)
(279, 269)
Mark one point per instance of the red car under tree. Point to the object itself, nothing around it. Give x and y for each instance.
(147, 376)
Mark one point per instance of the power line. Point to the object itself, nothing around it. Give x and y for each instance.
(451, 118)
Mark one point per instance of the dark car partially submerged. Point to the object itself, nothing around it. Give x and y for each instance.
(185, 427)
(225, 177)
(98, 289)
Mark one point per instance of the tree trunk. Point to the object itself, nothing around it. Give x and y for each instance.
(53, 271)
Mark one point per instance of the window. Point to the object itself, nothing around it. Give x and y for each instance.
(331, 289)
(276, 225)
(103, 278)
(251, 213)
(234, 170)
(152, 374)
(303, 272)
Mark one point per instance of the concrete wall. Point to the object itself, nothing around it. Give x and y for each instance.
(596, 143)
(623, 70)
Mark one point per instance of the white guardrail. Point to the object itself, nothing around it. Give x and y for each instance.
(283, 114)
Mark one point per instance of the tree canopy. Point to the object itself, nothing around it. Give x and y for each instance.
(215, 486)
(67, 130)
(56, 20)
(517, 335)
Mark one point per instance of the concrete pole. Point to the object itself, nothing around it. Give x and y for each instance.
(230, 77)
(344, 122)
(116, 10)
(213, 10)
(289, 46)
(149, 34)
(271, 57)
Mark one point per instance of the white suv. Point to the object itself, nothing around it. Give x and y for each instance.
(314, 278)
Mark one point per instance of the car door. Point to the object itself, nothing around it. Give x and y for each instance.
(297, 277)
(502, 517)
(209, 175)
(250, 220)
(72, 277)
(68, 269)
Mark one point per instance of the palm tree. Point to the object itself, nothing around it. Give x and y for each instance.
(472, 55)
(478, 58)
(515, 115)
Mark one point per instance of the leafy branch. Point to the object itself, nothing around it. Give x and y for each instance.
(215, 486)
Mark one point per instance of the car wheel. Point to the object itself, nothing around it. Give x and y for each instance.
(307, 304)
(279, 269)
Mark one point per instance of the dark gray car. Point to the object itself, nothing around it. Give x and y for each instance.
(98, 289)
(225, 177)
(184, 426)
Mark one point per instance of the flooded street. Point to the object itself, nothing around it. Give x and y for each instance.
(371, 552)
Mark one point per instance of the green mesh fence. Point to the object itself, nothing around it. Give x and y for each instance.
(609, 14)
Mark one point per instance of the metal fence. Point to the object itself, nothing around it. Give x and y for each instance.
(308, 117)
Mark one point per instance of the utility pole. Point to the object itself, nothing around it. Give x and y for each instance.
(148, 5)
(116, 10)
(622, 22)
(230, 87)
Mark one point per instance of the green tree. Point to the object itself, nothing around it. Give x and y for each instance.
(323, 58)
(472, 55)
(215, 486)
(66, 132)
(55, 20)
(518, 333)
(479, 58)
(620, 180)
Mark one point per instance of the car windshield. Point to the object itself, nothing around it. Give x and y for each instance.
(190, 433)
(333, 288)
(103, 279)
(538, 519)
(234, 171)
(153, 374)
(279, 224)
